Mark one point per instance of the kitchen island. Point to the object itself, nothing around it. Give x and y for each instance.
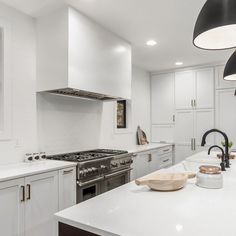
(132, 210)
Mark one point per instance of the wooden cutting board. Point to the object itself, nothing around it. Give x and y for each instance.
(165, 181)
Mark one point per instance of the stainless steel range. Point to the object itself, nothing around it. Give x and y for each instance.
(98, 170)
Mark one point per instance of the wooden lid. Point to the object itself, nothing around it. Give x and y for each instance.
(211, 170)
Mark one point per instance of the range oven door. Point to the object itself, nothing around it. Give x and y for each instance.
(116, 179)
(89, 189)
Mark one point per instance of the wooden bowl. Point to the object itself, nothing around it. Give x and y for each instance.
(165, 181)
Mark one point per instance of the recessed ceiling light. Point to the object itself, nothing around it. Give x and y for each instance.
(151, 43)
(179, 63)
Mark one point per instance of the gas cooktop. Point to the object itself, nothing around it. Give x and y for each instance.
(87, 155)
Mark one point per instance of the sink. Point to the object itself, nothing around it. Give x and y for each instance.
(194, 162)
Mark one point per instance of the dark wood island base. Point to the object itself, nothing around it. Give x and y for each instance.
(67, 230)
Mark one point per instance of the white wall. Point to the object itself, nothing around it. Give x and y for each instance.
(67, 124)
(59, 124)
(140, 109)
(24, 132)
(72, 124)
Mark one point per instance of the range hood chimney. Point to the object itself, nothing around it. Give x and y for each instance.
(76, 57)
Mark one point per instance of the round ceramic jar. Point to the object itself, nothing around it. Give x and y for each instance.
(209, 177)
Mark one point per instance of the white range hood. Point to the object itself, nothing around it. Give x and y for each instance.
(77, 57)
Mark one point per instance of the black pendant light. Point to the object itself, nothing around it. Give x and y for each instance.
(230, 68)
(216, 25)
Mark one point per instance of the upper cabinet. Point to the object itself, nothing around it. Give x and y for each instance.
(76, 56)
(184, 89)
(204, 88)
(220, 82)
(194, 89)
(162, 98)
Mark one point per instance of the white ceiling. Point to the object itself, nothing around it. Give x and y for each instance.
(169, 22)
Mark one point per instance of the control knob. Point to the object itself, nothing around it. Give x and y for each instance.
(114, 164)
(94, 169)
(122, 162)
(103, 167)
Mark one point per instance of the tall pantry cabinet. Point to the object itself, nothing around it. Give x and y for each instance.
(188, 108)
(225, 106)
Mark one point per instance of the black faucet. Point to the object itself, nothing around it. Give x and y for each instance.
(226, 156)
(222, 164)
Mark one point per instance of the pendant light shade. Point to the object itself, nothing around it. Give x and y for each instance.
(230, 68)
(216, 25)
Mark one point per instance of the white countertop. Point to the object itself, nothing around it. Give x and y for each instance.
(148, 147)
(23, 169)
(132, 210)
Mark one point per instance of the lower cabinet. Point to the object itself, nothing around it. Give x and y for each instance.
(41, 202)
(147, 162)
(12, 207)
(67, 188)
(28, 204)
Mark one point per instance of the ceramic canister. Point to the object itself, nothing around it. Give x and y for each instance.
(209, 177)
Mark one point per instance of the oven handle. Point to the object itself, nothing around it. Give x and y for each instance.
(82, 184)
(118, 173)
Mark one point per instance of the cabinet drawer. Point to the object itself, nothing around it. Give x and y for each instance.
(165, 150)
(165, 161)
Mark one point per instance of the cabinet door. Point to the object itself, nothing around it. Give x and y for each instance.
(204, 88)
(162, 99)
(184, 130)
(154, 161)
(41, 204)
(182, 152)
(67, 188)
(226, 114)
(220, 82)
(184, 89)
(204, 121)
(12, 208)
(142, 165)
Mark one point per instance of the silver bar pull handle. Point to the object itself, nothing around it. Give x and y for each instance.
(118, 173)
(191, 144)
(149, 157)
(65, 172)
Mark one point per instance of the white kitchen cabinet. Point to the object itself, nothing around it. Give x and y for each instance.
(41, 204)
(194, 89)
(141, 163)
(184, 127)
(12, 207)
(189, 128)
(154, 161)
(204, 120)
(28, 204)
(162, 98)
(184, 89)
(204, 88)
(226, 114)
(67, 188)
(220, 82)
(182, 152)
(147, 162)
